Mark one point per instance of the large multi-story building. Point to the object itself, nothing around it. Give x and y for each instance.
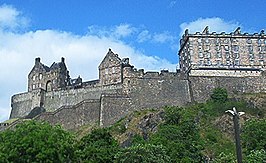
(212, 54)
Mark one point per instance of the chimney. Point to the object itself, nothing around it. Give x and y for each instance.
(63, 60)
(37, 60)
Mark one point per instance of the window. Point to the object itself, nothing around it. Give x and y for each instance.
(249, 41)
(250, 49)
(235, 48)
(33, 77)
(237, 62)
(40, 76)
(199, 40)
(251, 56)
(113, 69)
(219, 55)
(218, 62)
(200, 62)
(251, 62)
(33, 86)
(209, 62)
(200, 55)
(106, 71)
(226, 48)
(40, 85)
(227, 55)
(208, 55)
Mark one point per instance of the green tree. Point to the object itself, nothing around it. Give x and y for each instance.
(254, 135)
(225, 158)
(182, 142)
(34, 141)
(146, 153)
(219, 95)
(98, 146)
(256, 156)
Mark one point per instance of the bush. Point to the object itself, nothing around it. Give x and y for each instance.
(36, 142)
(98, 146)
(219, 95)
(145, 153)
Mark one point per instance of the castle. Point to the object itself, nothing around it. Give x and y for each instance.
(234, 61)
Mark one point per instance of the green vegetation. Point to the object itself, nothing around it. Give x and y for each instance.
(194, 133)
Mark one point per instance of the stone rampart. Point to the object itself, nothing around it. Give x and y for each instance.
(72, 117)
(202, 86)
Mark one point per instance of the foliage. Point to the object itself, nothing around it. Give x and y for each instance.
(36, 142)
(256, 156)
(225, 158)
(98, 146)
(145, 153)
(172, 115)
(254, 135)
(179, 135)
(219, 95)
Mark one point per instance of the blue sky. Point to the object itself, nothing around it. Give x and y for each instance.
(146, 31)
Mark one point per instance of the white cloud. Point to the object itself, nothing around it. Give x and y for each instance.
(144, 36)
(215, 24)
(11, 19)
(172, 4)
(115, 32)
(163, 37)
(123, 30)
(83, 54)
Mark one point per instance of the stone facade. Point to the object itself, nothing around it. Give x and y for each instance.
(121, 88)
(212, 51)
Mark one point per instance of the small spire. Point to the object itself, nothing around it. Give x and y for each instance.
(206, 30)
(37, 60)
(237, 31)
(262, 32)
(63, 60)
(186, 32)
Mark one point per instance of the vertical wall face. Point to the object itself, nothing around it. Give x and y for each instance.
(110, 69)
(48, 78)
(202, 87)
(23, 103)
(222, 51)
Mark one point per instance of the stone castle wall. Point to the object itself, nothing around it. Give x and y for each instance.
(202, 86)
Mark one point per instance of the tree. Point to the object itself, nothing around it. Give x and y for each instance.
(98, 146)
(219, 95)
(256, 156)
(254, 135)
(34, 141)
(182, 142)
(146, 153)
(225, 158)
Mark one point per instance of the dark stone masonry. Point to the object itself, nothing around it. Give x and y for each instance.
(121, 88)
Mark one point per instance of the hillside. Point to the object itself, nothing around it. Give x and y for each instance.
(200, 132)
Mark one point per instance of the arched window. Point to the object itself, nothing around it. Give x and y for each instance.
(48, 86)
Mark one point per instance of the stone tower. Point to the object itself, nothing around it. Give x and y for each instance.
(110, 69)
(222, 54)
(48, 78)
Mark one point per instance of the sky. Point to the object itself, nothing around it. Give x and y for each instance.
(82, 31)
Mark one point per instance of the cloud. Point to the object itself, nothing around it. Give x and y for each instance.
(215, 24)
(163, 37)
(83, 54)
(11, 19)
(115, 32)
(144, 36)
(172, 4)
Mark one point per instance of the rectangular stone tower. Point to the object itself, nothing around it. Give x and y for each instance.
(211, 54)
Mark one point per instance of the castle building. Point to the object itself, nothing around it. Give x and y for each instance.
(222, 54)
(233, 61)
